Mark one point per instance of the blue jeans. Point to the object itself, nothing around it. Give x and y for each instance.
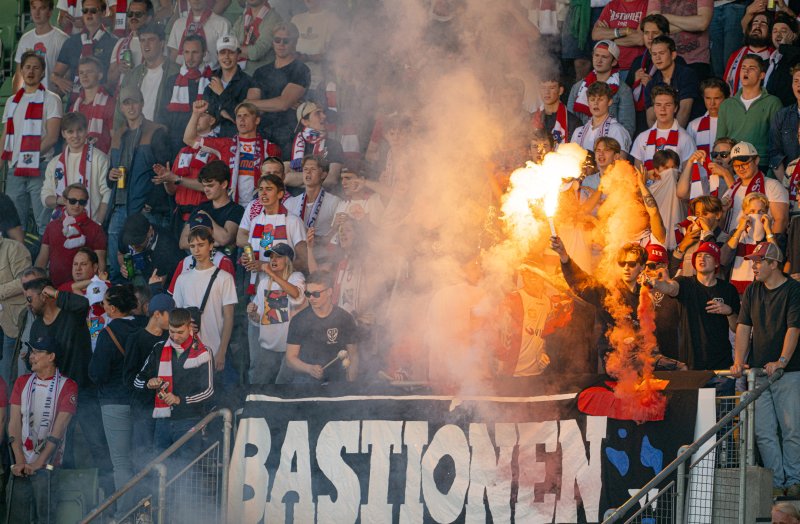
(726, 35)
(778, 409)
(117, 426)
(266, 366)
(115, 225)
(7, 362)
(26, 193)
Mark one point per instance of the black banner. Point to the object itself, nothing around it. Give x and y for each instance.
(335, 454)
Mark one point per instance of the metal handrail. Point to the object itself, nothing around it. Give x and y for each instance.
(158, 465)
(747, 399)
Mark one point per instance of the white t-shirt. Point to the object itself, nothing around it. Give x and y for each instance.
(275, 307)
(215, 27)
(685, 148)
(586, 135)
(189, 290)
(327, 210)
(150, 84)
(99, 191)
(52, 109)
(747, 102)
(48, 44)
(371, 207)
(316, 31)
(772, 188)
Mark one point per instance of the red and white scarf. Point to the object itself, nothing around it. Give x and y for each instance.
(120, 18)
(198, 355)
(72, 229)
(194, 28)
(29, 155)
(582, 100)
(348, 136)
(638, 89)
(96, 111)
(34, 438)
(794, 182)
(180, 103)
(87, 49)
(265, 231)
(252, 28)
(657, 144)
(703, 137)
(308, 136)
(560, 129)
(756, 185)
(63, 177)
(72, 10)
(742, 270)
(703, 183)
(584, 131)
(734, 66)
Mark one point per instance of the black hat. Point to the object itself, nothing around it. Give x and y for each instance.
(135, 231)
(284, 250)
(45, 343)
(200, 220)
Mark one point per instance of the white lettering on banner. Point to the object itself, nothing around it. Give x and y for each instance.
(477, 467)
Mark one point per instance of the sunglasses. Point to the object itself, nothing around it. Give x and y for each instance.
(136, 14)
(651, 265)
(90, 10)
(79, 201)
(630, 263)
(279, 40)
(720, 154)
(315, 294)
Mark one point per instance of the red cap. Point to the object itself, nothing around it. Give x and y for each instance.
(707, 247)
(656, 253)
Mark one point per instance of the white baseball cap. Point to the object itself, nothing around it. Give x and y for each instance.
(227, 42)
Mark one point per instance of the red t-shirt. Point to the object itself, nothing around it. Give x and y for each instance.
(625, 13)
(67, 399)
(61, 257)
(692, 46)
(187, 164)
(3, 394)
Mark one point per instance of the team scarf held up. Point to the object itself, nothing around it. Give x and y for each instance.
(180, 103)
(29, 156)
(734, 66)
(703, 183)
(195, 28)
(252, 28)
(658, 144)
(560, 129)
(348, 136)
(582, 100)
(120, 18)
(72, 229)
(87, 49)
(34, 438)
(638, 89)
(96, 111)
(63, 177)
(310, 136)
(198, 355)
(267, 230)
(756, 185)
(742, 271)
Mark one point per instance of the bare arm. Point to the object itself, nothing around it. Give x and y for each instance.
(684, 187)
(58, 431)
(101, 255)
(743, 332)
(225, 336)
(684, 111)
(294, 362)
(15, 432)
(58, 79)
(288, 98)
(242, 237)
(656, 223)
(694, 23)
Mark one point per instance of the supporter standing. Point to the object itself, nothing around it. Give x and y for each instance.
(755, 225)
(63, 237)
(153, 250)
(87, 281)
(604, 60)
(770, 314)
(35, 435)
(95, 103)
(79, 163)
(313, 139)
(315, 206)
(746, 116)
(702, 225)
(106, 371)
(278, 298)
(642, 69)
(665, 306)
(726, 33)
(43, 38)
(218, 258)
(689, 22)
(600, 98)
(228, 86)
(666, 132)
(14, 258)
(607, 150)
(619, 21)
(552, 115)
(318, 26)
(778, 79)
(703, 129)
(31, 121)
(783, 142)
(253, 29)
(93, 40)
(671, 70)
(359, 203)
(318, 334)
(279, 87)
(757, 42)
(127, 53)
(205, 23)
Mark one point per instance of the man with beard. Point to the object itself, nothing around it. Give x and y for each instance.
(746, 116)
(784, 146)
(778, 80)
(756, 42)
(770, 314)
(605, 61)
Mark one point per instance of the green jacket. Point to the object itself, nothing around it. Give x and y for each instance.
(749, 125)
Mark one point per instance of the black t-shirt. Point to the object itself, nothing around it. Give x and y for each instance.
(70, 53)
(279, 126)
(321, 339)
(230, 212)
(704, 342)
(667, 322)
(9, 218)
(71, 332)
(771, 312)
(164, 256)
(137, 348)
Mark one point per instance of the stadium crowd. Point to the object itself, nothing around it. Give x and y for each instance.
(193, 200)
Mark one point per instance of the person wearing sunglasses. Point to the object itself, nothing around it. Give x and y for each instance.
(279, 87)
(127, 53)
(318, 335)
(707, 173)
(666, 307)
(93, 40)
(71, 231)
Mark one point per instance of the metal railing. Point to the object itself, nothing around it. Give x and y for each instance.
(205, 476)
(713, 483)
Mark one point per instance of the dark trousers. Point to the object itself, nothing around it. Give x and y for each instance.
(89, 418)
(28, 498)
